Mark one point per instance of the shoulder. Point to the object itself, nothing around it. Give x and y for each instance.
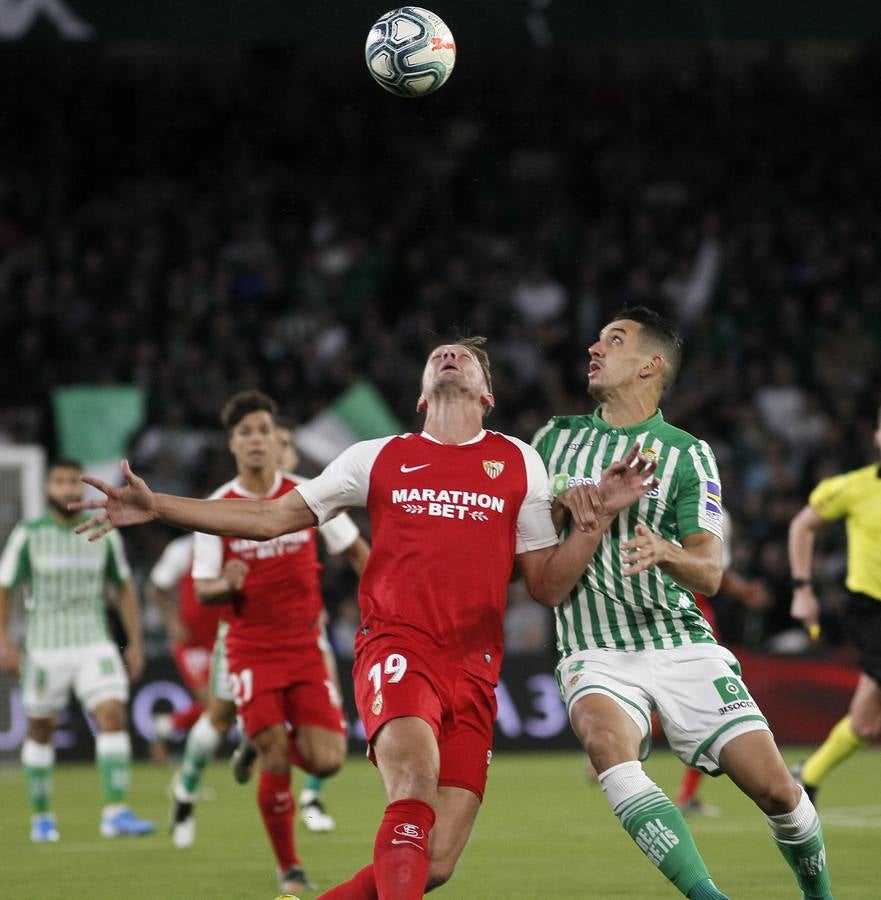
(678, 437)
(38, 522)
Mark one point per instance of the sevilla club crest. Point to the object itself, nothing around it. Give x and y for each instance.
(493, 467)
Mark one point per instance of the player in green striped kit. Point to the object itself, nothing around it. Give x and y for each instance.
(67, 645)
(632, 640)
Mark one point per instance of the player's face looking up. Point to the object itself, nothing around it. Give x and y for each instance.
(63, 486)
(252, 441)
(617, 358)
(286, 458)
(453, 370)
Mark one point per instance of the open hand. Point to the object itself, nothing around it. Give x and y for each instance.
(625, 481)
(132, 504)
(643, 551)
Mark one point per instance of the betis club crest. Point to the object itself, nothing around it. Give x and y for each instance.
(493, 467)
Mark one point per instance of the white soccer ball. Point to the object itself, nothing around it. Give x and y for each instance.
(410, 51)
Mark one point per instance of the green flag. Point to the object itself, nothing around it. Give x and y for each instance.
(94, 423)
(358, 414)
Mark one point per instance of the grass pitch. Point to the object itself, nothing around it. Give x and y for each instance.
(544, 834)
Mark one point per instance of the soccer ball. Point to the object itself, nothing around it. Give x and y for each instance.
(410, 51)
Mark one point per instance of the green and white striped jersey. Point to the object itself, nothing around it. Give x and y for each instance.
(606, 608)
(63, 575)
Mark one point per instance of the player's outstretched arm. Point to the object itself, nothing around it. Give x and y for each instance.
(134, 504)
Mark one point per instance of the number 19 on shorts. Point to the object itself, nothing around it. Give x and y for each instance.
(394, 666)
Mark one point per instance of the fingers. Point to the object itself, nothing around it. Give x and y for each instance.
(87, 504)
(102, 523)
(102, 486)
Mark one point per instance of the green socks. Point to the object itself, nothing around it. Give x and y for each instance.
(202, 743)
(658, 829)
(37, 761)
(800, 839)
(313, 783)
(113, 754)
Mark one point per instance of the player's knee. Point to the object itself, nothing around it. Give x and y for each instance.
(328, 762)
(866, 729)
(40, 730)
(222, 715)
(110, 716)
(606, 749)
(777, 796)
(439, 873)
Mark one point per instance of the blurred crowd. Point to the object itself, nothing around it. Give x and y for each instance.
(203, 223)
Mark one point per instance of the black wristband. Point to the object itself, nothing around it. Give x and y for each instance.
(800, 583)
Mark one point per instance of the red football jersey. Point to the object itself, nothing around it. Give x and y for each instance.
(447, 521)
(278, 606)
(173, 568)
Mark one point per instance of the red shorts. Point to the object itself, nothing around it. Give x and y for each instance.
(393, 680)
(295, 689)
(193, 663)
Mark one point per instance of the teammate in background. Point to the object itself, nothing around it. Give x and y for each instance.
(315, 817)
(630, 637)
(272, 644)
(856, 498)
(452, 510)
(67, 645)
(191, 629)
(220, 715)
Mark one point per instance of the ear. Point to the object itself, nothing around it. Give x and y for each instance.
(488, 401)
(421, 404)
(653, 368)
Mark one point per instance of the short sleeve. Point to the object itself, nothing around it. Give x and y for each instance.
(345, 482)
(339, 534)
(14, 562)
(175, 562)
(118, 570)
(832, 498)
(207, 556)
(699, 494)
(535, 529)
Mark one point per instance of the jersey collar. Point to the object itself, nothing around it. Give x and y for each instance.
(237, 487)
(649, 424)
(478, 437)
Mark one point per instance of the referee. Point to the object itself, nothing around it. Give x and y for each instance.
(856, 498)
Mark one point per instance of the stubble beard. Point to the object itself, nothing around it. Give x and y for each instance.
(60, 507)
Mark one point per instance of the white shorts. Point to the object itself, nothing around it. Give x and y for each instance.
(221, 685)
(94, 671)
(697, 691)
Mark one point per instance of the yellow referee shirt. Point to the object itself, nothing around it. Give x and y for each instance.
(856, 497)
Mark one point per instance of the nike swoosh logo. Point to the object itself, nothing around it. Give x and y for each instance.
(413, 843)
(414, 468)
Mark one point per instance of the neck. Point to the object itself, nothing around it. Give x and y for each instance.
(64, 519)
(621, 410)
(257, 481)
(452, 421)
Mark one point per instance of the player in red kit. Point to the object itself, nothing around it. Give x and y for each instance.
(273, 642)
(453, 511)
(191, 628)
